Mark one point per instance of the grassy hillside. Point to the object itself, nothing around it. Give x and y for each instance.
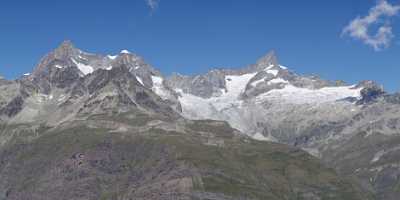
(200, 160)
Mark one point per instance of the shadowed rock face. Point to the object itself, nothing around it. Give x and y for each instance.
(371, 92)
(13, 107)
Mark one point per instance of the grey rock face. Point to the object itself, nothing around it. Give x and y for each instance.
(204, 86)
(370, 92)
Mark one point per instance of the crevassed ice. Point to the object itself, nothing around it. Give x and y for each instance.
(197, 107)
(296, 95)
(273, 81)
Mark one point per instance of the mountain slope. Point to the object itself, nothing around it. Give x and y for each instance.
(133, 156)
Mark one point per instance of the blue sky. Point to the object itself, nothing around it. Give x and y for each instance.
(193, 36)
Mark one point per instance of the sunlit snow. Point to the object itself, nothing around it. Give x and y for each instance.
(125, 52)
(159, 88)
(140, 80)
(85, 69)
(296, 95)
(235, 86)
(112, 57)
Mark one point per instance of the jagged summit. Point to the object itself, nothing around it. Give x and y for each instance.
(65, 50)
(67, 44)
(269, 59)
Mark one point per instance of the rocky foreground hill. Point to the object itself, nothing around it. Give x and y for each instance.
(87, 126)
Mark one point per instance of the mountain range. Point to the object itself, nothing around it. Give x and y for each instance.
(88, 126)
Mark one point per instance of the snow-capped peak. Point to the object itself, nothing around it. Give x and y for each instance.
(125, 52)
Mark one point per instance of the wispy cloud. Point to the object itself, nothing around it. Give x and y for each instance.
(380, 15)
(153, 4)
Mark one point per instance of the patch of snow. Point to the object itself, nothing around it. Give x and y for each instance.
(140, 80)
(272, 71)
(277, 80)
(125, 52)
(377, 169)
(314, 152)
(58, 66)
(40, 98)
(61, 98)
(159, 88)
(282, 67)
(255, 83)
(381, 153)
(261, 137)
(112, 57)
(85, 69)
(273, 81)
(269, 67)
(27, 74)
(82, 57)
(295, 95)
(109, 68)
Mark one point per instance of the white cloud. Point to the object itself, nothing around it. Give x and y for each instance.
(153, 4)
(378, 15)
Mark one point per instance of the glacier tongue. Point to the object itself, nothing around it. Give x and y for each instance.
(235, 86)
